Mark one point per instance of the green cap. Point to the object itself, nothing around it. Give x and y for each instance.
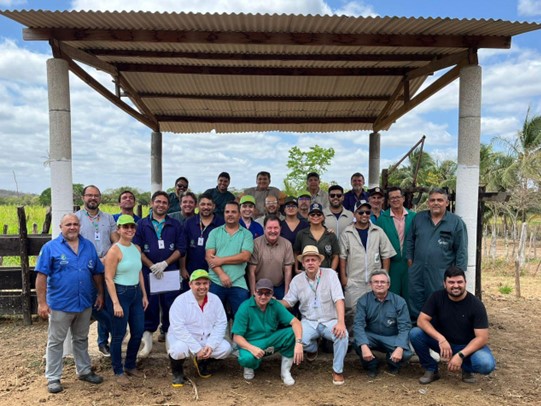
(125, 219)
(304, 193)
(199, 273)
(247, 199)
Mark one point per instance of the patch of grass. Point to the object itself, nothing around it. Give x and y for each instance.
(505, 289)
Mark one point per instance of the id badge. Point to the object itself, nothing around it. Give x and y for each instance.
(161, 245)
(97, 236)
(200, 241)
(315, 303)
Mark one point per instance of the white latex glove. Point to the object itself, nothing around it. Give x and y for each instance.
(157, 269)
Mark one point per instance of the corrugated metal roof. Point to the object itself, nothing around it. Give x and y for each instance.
(201, 72)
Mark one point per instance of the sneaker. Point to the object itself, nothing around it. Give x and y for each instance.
(311, 356)
(161, 338)
(337, 379)
(468, 377)
(104, 349)
(429, 377)
(249, 374)
(122, 380)
(201, 366)
(134, 372)
(54, 386)
(91, 377)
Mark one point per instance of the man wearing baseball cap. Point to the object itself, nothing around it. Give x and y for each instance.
(262, 327)
(321, 303)
(197, 328)
(376, 200)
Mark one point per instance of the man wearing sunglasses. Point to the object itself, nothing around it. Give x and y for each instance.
(364, 248)
(337, 217)
(262, 327)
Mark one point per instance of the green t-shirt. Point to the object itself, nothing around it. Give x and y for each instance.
(227, 245)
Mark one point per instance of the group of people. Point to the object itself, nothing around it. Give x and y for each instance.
(288, 272)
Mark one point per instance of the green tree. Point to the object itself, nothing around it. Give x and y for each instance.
(45, 196)
(300, 163)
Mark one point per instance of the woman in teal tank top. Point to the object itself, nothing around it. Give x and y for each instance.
(127, 299)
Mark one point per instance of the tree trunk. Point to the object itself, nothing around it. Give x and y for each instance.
(519, 260)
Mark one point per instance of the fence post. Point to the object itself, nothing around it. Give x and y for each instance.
(25, 267)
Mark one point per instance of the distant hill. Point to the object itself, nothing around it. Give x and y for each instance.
(13, 193)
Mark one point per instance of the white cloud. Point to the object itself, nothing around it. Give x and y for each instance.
(357, 9)
(208, 6)
(529, 8)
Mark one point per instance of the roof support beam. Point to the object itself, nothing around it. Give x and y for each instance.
(439, 84)
(265, 120)
(265, 98)
(228, 56)
(257, 71)
(267, 38)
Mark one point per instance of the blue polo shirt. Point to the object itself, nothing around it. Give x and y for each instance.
(350, 199)
(135, 217)
(195, 248)
(147, 239)
(69, 276)
(255, 228)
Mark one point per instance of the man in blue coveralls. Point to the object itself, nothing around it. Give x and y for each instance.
(437, 240)
(67, 269)
(162, 244)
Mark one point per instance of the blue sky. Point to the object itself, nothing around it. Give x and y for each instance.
(111, 150)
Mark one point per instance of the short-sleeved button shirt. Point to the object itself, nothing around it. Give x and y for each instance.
(270, 259)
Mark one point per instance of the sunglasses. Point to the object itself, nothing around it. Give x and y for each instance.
(361, 212)
(333, 195)
(317, 214)
(264, 293)
(181, 186)
(128, 226)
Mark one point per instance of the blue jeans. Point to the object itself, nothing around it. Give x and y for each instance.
(384, 344)
(103, 317)
(234, 296)
(481, 361)
(131, 300)
(340, 345)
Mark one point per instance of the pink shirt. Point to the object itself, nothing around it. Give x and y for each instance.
(400, 225)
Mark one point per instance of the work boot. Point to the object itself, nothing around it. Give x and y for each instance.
(177, 368)
(429, 377)
(285, 372)
(468, 377)
(248, 374)
(147, 345)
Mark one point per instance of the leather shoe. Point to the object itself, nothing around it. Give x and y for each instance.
(134, 372)
(337, 379)
(468, 377)
(429, 377)
(91, 377)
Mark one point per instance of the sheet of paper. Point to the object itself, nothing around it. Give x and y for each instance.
(169, 282)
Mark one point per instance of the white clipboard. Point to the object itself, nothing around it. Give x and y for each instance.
(170, 282)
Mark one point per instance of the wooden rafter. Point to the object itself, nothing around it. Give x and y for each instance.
(265, 98)
(266, 38)
(264, 120)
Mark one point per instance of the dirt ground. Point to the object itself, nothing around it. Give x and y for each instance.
(515, 328)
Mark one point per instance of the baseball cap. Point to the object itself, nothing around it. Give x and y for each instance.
(264, 284)
(360, 204)
(315, 207)
(376, 190)
(198, 274)
(125, 219)
(247, 199)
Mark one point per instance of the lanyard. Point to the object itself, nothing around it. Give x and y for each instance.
(158, 227)
(203, 229)
(310, 283)
(95, 220)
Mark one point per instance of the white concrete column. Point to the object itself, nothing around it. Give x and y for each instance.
(155, 162)
(59, 141)
(374, 159)
(469, 146)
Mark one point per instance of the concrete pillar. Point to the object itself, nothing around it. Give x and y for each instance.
(374, 159)
(469, 146)
(59, 141)
(155, 162)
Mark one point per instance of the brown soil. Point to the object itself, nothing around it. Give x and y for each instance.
(515, 328)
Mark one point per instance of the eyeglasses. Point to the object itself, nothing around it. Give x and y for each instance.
(361, 212)
(92, 196)
(333, 195)
(379, 282)
(128, 226)
(264, 293)
(271, 203)
(316, 214)
(291, 206)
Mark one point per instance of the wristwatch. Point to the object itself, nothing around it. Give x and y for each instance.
(462, 356)
(298, 341)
